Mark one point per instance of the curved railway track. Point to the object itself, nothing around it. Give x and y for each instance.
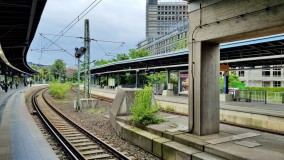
(103, 98)
(76, 141)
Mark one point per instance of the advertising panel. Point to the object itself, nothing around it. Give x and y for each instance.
(183, 82)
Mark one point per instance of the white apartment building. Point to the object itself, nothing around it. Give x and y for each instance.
(263, 76)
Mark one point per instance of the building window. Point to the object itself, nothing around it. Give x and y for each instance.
(241, 73)
(277, 72)
(265, 83)
(276, 83)
(266, 71)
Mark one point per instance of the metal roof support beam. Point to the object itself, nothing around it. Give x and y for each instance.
(32, 15)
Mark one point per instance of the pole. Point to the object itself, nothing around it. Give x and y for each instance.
(87, 60)
(78, 97)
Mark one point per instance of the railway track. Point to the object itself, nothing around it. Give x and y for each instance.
(76, 141)
(110, 100)
(103, 98)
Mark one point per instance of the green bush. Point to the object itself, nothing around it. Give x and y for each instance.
(59, 90)
(268, 89)
(142, 110)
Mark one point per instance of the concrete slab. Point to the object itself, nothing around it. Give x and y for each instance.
(190, 141)
(177, 151)
(158, 146)
(205, 156)
(232, 138)
(138, 137)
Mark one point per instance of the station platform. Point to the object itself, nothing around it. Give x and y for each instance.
(170, 139)
(20, 138)
(267, 117)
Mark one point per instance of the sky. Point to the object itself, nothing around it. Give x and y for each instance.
(111, 20)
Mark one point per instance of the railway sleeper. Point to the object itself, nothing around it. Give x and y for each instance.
(73, 135)
(76, 138)
(101, 156)
(70, 132)
(81, 140)
(83, 144)
(87, 148)
(91, 152)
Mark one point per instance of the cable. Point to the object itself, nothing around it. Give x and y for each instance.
(75, 21)
(58, 46)
(106, 41)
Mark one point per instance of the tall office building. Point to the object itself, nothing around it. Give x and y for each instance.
(163, 16)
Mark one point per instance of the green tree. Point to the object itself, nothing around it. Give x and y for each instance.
(58, 68)
(233, 79)
(181, 44)
(103, 62)
(122, 56)
(157, 78)
(138, 53)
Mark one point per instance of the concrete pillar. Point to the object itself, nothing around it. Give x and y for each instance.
(226, 82)
(212, 23)
(107, 79)
(6, 78)
(118, 79)
(99, 79)
(137, 79)
(204, 88)
(168, 77)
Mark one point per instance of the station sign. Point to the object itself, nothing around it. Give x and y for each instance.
(224, 67)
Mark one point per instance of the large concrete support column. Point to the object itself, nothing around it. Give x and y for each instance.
(212, 22)
(204, 88)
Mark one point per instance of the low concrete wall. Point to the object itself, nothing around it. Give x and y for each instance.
(265, 122)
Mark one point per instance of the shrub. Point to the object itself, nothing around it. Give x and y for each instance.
(59, 90)
(268, 89)
(142, 110)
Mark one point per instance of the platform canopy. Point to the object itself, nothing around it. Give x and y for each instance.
(249, 53)
(18, 23)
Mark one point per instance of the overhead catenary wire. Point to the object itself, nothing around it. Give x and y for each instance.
(75, 21)
(58, 46)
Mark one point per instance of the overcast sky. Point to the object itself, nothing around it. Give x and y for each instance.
(115, 20)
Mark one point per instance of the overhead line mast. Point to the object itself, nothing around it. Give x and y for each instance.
(87, 60)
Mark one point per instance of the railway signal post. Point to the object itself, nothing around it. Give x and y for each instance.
(78, 55)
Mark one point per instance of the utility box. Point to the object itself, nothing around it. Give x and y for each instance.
(170, 86)
(85, 103)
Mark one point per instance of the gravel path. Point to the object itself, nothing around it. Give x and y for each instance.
(94, 121)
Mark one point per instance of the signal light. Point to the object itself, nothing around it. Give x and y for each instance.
(80, 52)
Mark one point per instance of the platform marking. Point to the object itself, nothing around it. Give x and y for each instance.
(232, 138)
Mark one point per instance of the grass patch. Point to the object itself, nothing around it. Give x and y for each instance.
(58, 90)
(95, 110)
(142, 110)
(170, 108)
(61, 101)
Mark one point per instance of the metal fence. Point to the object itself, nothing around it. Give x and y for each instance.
(258, 96)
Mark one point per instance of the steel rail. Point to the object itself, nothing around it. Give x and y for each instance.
(107, 147)
(66, 146)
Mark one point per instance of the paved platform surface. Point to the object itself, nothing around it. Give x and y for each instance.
(251, 107)
(20, 138)
(230, 143)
